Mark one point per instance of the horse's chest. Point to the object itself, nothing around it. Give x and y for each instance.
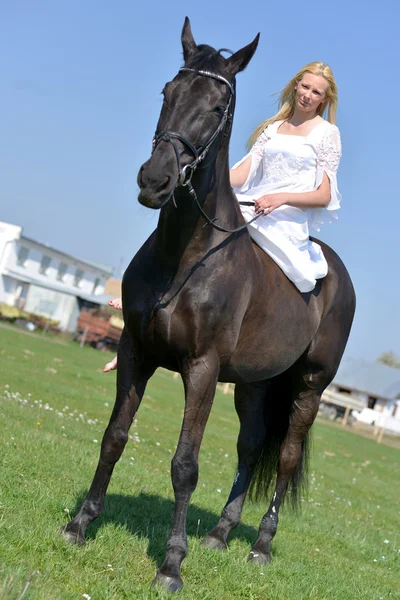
(185, 325)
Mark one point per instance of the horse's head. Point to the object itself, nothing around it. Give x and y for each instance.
(198, 106)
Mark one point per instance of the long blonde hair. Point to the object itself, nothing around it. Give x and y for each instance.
(287, 98)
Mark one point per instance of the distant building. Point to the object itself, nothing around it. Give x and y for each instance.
(374, 383)
(113, 287)
(45, 281)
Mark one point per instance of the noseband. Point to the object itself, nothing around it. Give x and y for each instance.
(186, 173)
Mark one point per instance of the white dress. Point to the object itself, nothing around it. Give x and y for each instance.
(291, 163)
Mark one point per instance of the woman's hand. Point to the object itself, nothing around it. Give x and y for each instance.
(269, 202)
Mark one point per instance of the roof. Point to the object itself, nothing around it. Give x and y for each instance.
(107, 269)
(101, 299)
(370, 378)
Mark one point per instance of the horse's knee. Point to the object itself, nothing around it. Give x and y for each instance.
(185, 472)
(250, 448)
(114, 442)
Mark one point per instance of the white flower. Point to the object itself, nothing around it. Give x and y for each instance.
(86, 596)
(219, 491)
(95, 441)
(385, 541)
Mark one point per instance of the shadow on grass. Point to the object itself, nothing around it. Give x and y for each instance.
(149, 516)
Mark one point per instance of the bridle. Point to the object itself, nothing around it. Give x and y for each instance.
(185, 174)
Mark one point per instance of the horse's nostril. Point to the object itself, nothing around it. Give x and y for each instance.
(139, 177)
(163, 184)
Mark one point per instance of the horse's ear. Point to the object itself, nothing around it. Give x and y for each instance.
(239, 61)
(188, 44)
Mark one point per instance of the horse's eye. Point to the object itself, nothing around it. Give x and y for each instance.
(219, 110)
(166, 87)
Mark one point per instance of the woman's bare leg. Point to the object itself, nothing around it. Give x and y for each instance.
(112, 365)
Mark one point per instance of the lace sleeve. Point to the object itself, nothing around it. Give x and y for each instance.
(258, 147)
(255, 172)
(330, 151)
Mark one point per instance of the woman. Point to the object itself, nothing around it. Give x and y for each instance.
(289, 177)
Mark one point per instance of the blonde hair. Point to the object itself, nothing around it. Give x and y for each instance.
(287, 98)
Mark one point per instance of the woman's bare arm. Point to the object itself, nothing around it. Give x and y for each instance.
(239, 175)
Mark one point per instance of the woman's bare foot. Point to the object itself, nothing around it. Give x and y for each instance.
(110, 366)
(116, 303)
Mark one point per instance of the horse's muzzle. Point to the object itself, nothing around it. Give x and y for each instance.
(156, 183)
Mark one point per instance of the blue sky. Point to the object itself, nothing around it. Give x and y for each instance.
(80, 94)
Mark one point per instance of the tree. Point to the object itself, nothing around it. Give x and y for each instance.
(390, 359)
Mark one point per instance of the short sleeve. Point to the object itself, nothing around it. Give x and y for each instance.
(255, 173)
(329, 152)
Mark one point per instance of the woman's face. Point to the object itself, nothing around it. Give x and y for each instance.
(310, 92)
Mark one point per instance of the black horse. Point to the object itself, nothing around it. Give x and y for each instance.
(202, 299)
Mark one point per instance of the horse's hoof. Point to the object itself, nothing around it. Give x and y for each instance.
(72, 537)
(171, 584)
(213, 543)
(259, 558)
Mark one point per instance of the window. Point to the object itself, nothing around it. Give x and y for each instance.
(96, 284)
(47, 307)
(44, 264)
(22, 257)
(62, 271)
(78, 277)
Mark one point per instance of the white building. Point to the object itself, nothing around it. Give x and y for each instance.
(374, 384)
(44, 281)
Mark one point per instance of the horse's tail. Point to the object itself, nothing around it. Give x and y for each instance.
(277, 411)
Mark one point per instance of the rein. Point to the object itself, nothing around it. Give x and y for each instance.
(186, 173)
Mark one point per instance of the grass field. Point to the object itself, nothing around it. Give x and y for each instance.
(54, 406)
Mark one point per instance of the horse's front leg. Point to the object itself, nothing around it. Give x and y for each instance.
(250, 400)
(132, 377)
(200, 377)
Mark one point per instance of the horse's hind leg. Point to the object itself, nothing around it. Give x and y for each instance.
(291, 459)
(250, 405)
(307, 379)
(131, 382)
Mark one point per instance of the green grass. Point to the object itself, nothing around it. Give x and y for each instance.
(345, 545)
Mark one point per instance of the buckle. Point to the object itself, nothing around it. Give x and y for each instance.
(186, 175)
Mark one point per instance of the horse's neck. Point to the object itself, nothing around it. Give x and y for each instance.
(182, 227)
